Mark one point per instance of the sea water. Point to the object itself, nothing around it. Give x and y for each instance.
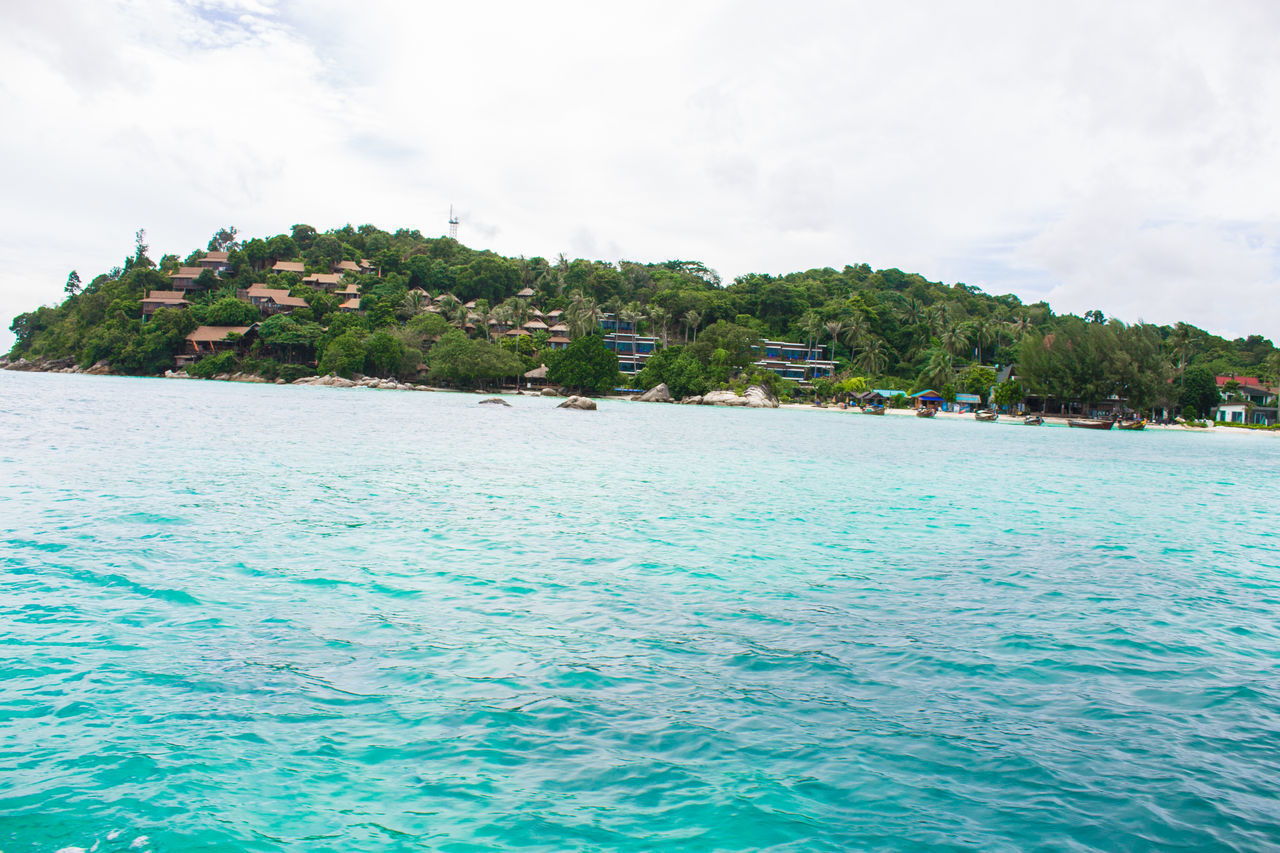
(264, 618)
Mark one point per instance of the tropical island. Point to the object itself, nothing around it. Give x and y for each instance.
(363, 302)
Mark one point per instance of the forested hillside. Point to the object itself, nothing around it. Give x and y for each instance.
(426, 295)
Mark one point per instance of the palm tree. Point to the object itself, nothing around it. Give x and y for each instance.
(940, 316)
(875, 356)
(811, 322)
(983, 334)
(1020, 324)
(954, 339)
(415, 302)
(691, 321)
(584, 314)
(835, 328)
(941, 369)
(659, 317)
(855, 330)
(630, 314)
(459, 314)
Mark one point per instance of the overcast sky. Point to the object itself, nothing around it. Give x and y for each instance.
(1120, 156)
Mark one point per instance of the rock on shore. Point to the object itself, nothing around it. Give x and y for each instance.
(657, 394)
(755, 397)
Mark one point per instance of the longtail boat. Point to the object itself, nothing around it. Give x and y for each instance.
(985, 416)
(1033, 420)
(925, 412)
(1091, 423)
(1138, 423)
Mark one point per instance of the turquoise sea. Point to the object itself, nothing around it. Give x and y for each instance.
(260, 618)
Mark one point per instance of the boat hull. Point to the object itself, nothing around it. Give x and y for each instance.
(1089, 423)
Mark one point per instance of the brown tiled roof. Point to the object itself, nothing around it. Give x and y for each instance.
(528, 291)
(349, 266)
(323, 278)
(205, 334)
(216, 257)
(535, 325)
(559, 339)
(558, 327)
(166, 296)
(187, 272)
(350, 303)
(515, 333)
(289, 266)
(279, 297)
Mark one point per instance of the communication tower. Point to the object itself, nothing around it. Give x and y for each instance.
(453, 224)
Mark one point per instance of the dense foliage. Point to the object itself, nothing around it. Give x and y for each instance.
(885, 328)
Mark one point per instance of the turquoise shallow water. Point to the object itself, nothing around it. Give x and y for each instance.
(243, 617)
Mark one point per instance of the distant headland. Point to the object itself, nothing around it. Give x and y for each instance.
(397, 307)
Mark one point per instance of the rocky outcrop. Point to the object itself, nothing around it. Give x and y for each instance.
(586, 404)
(177, 374)
(327, 381)
(100, 368)
(657, 394)
(495, 401)
(755, 397)
(549, 392)
(723, 398)
(695, 400)
(759, 397)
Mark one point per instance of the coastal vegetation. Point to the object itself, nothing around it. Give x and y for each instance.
(433, 309)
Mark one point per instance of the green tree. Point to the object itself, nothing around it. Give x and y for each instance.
(224, 240)
(344, 355)
(976, 379)
(73, 284)
(586, 365)
(1008, 393)
(231, 312)
(383, 354)
(1199, 390)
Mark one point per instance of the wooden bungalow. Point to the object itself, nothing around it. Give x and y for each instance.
(207, 340)
(323, 281)
(289, 266)
(185, 278)
(271, 300)
(157, 299)
(219, 262)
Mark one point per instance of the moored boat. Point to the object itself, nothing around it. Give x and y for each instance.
(925, 412)
(873, 409)
(1033, 420)
(985, 415)
(1138, 423)
(1091, 423)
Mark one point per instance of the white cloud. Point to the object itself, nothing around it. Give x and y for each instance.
(1117, 157)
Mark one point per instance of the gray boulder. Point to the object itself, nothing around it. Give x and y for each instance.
(549, 392)
(495, 401)
(584, 403)
(695, 400)
(723, 398)
(758, 397)
(657, 394)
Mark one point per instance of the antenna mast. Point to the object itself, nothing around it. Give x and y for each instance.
(453, 224)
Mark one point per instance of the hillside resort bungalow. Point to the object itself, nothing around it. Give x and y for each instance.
(207, 340)
(797, 362)
(620, 337)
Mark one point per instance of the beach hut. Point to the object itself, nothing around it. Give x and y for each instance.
(968, 402)
(536, 378)
(926, 398)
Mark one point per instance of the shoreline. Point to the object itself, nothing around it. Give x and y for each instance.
(375, 383)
